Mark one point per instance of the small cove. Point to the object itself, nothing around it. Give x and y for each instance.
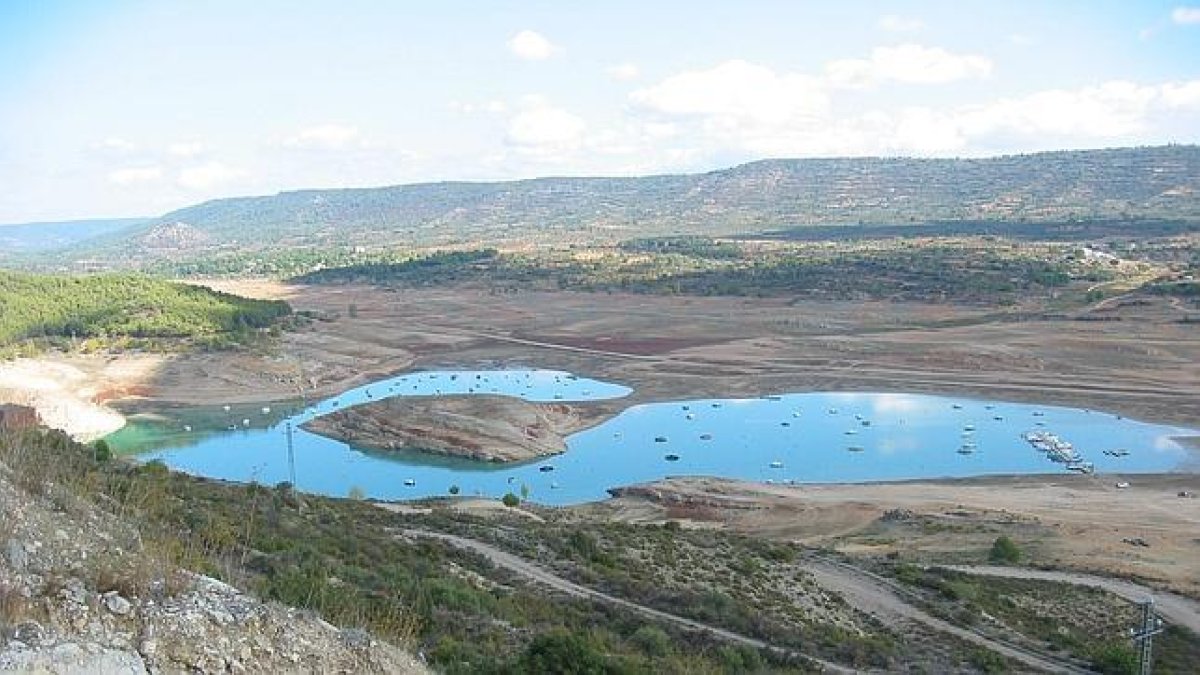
(802, 438)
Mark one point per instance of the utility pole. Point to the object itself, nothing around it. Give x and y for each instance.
(291, 456)
(1143, 635)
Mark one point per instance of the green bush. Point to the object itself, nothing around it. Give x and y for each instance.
(1115, 659)
(560, 651)
(1004, 551)
(510, 500)
(102, 452)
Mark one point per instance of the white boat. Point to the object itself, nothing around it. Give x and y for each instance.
(777, 464)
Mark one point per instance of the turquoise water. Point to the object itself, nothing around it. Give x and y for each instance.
(804, 438)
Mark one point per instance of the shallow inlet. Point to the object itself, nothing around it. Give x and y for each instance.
(908, 436)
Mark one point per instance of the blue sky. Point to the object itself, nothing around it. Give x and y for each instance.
(136, 108)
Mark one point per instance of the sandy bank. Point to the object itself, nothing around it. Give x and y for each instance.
(66, 396)
(1082, 523)
(488, 428)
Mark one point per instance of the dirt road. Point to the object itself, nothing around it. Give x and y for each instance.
(861, 590)
(873, 595)
(541, 576)
(1174, 608)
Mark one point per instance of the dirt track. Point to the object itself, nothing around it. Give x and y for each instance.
(1174, 608)
(537, 574)
(859, 590)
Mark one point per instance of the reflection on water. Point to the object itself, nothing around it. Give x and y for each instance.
(816, 437)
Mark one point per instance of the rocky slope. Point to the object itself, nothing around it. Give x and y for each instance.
(487, 428)
(80, 593)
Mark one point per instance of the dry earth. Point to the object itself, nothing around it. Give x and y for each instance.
(1082, 523)
(487, 428)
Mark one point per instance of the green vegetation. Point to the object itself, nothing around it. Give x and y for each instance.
(123, 310)
(963, 270)
(1085, 623)
(1004, 551)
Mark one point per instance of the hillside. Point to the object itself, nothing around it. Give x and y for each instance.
(39, 308)
(32, 237)
(769, 195)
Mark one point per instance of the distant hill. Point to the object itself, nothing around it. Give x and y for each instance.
(36, 237)
(769, 195)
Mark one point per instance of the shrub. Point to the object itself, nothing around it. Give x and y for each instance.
(1004, 551)
(101, 451)
(560, 651)
(510, 500)
(1115, 659)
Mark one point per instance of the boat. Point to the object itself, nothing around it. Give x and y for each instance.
(545, 468)
(690, 416)
(855, 448)
(716, 405)
(956, 406)
(969, 427)
(785, 424)
(672, 457)
(1081, 467)
(966, 449)
(796, 414)
(851, 432)
(660, 439)
(833, 411)
(865, 423)
(706, 437)
(410, 482)
(777, 464)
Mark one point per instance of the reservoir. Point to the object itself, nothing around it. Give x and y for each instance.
(786, 438)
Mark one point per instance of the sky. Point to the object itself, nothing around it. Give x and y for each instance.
(135, 108)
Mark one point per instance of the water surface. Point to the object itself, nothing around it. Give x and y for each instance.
(804, 438)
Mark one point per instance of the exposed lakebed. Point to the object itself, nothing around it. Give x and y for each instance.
(803, 438)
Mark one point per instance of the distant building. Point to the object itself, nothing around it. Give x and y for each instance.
(17, 417)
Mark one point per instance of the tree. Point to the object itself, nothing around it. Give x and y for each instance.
(1004, 551)
(101, 451)
(454, 489)
(510, 500)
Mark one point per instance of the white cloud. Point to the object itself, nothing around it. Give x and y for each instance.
(736, 92)
(323, 137)
(186, 149)
(907, 63)
(1182, 95)
(900, 24)
(135, 175)
(531, 46)
(208, 175)
(114, 146)
(1186, 15)
(1108, 110)
(623, 71)
(739, 109)
(541, 129)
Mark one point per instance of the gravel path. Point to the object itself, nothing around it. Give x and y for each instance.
(1176, 609)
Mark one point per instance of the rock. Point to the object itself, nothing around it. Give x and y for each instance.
(16, 555)
(148, 648)
(116, 604)
(30, 632)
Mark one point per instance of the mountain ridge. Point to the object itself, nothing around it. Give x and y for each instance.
(765, 195)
